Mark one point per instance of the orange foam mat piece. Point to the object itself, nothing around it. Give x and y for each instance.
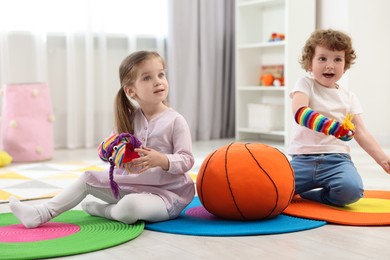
(371, 210)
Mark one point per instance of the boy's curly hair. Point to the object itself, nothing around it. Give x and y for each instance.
(329, 39)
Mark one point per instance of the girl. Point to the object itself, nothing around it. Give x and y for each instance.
(161, 188)
(323, 109)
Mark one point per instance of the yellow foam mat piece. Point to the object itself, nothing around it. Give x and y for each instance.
(369, 205)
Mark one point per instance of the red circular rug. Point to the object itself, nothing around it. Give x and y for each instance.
(371, 210)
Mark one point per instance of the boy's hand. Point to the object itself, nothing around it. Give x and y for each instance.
(386, 165)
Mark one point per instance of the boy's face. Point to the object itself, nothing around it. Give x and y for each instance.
(328, 66)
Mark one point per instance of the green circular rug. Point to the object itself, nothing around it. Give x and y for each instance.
(73, 232)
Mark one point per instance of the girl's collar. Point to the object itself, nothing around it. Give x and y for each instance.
(154, 115)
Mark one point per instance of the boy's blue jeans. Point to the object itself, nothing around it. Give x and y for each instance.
(327, 178)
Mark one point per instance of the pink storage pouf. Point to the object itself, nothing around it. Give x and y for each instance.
(27, 122)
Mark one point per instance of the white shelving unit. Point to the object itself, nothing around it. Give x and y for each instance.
(256, 20)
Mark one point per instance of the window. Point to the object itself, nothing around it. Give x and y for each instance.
(110, 16)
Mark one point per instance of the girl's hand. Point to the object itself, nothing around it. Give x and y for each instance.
(150, 158)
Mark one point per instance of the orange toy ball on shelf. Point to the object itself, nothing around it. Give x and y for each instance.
(245, 181)
(267, 79)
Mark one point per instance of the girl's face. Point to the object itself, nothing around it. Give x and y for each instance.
(328, 66)
(151, 85)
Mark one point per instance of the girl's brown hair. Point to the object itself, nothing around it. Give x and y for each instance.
(123, 107)
(329, 39)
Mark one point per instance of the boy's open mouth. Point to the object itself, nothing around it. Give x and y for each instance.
(328, 75)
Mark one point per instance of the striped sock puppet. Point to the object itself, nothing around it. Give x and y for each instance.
(118, 149)
(307, 117)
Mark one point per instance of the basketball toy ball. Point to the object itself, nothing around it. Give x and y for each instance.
(245, 182)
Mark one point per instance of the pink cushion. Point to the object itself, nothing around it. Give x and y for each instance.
(27, 122)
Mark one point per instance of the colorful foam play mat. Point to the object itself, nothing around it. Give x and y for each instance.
(195, 220)
(371, 210)
(41, 180)
(44, 180)
(73, 232)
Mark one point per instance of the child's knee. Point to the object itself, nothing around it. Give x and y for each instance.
(347, 194)
(125, 210)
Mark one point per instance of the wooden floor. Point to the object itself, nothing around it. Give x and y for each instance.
(327, 242)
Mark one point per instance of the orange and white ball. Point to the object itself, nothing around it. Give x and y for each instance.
(245, 181)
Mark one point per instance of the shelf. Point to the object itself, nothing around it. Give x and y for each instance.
(261, 45)
(260, 88)
(256, 22)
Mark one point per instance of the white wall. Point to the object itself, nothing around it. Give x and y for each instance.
(366, 22)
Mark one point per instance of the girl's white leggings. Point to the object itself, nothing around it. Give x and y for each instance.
(128, 208)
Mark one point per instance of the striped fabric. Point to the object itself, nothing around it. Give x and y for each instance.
(118, 152)
(113, 150)
(307, 117)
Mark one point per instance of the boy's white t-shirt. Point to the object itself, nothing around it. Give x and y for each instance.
(333, 103)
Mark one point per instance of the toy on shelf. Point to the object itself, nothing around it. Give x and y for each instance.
(276, 37)
(272, 75)
(5, 158)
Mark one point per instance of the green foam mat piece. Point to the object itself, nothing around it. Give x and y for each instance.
(95, 234)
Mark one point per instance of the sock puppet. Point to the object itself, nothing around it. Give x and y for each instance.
(307, 117)
(118, 149)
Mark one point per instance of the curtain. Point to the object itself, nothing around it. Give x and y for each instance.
(200, 60)
(78, 58)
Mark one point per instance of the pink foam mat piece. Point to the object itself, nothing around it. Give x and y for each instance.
(19, 233)
(200, 212)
